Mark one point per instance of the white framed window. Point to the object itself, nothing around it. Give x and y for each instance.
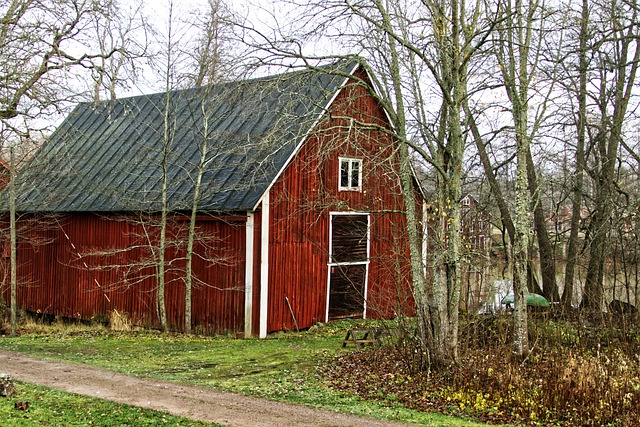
(350, 176)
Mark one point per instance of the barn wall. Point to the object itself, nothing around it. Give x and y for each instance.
(301, 202)
(85, 266)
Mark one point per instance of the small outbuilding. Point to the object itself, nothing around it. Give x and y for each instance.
(300, 211)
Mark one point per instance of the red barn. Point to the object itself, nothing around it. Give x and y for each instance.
(299, 207)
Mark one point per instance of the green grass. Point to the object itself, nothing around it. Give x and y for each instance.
(48, 407)
(282, 367)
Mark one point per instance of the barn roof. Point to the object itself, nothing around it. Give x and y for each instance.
(108, 156)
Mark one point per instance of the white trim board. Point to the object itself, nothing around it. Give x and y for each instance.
(264, 265)
(248, 275)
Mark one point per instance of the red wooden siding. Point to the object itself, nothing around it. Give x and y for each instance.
(85, 266)
(301, 202)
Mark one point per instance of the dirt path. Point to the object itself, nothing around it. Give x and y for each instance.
(188, 401)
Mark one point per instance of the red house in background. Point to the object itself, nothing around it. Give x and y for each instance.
(299, 208)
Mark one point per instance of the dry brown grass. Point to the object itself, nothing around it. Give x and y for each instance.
(119, 321)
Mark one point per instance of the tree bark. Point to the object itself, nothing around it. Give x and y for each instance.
(576, 194)
(545, 247)
(14, 244)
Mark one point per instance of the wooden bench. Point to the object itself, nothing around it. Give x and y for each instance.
(362, 336)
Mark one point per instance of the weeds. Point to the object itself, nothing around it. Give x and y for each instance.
(574, 376)
(119, 321)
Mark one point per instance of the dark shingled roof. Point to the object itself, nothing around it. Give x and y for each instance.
(108, 156)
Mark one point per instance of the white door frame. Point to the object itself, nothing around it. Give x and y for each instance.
(332, 264)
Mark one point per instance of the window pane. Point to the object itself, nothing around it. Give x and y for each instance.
(344, 173)
(355, 174)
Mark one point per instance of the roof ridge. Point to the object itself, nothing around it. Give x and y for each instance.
(331, 67)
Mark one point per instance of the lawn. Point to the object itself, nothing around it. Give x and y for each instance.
(52, 408)
(282, 367)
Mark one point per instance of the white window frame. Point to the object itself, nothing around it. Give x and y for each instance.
(351, 161)
(331, 263)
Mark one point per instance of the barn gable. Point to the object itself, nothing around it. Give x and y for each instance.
(337, 211)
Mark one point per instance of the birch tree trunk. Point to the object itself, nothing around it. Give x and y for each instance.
(192, 220)
(14, 244)
(167, 140)
(162, 244)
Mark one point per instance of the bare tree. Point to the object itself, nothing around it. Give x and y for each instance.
(580, 92)
(210, 55)
(618, 54)
(517, 62)
(125, 32)
(41, 44)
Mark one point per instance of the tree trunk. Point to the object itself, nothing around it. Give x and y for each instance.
(576, 194)
(192, 221)
(14, 244)
(513, 55)
(454, 182)
(166, 144)
(592, 297)
(421, 297)
(545, 247)
(521, 237)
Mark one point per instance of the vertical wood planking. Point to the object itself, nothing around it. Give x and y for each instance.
(85, 265)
